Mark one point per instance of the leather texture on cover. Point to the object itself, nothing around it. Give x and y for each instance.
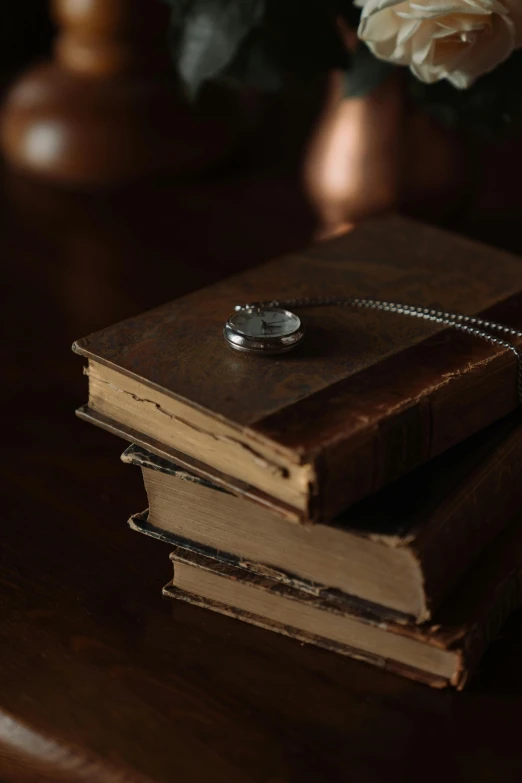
(369, 395)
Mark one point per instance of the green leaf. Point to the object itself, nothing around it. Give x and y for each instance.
(206, 35)
(365, 74)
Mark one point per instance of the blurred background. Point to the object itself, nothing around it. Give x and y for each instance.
(27, 34)
(120, 189)
(104, 109)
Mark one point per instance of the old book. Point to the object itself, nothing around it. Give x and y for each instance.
(404, 548)
(440, 653)
(368, 397)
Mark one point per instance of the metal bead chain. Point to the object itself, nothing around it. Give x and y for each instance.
(477, 327)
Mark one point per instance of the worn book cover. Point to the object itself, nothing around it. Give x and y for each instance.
(440, 653)
(403, 549)
(366, 398)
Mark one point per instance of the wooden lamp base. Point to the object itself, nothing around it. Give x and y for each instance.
(104, 112)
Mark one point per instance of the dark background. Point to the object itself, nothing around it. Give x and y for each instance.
(101, 679)
(26, 33)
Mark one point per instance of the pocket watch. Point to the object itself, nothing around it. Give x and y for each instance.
(260, 329)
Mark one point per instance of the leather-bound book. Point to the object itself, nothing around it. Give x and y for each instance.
(440, 653)
(402, 550)
(367, 397)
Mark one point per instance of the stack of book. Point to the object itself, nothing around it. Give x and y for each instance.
(362, 493)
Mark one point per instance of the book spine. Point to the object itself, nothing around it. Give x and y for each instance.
(506, 599)
(393, 435)
(470, 520)
(361, 465)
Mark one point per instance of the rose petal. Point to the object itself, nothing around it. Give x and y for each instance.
(456, 40)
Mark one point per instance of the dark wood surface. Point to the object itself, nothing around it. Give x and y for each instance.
(101, 679)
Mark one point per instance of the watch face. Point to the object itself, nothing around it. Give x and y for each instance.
(265, 323)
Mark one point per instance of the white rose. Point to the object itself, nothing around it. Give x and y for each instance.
(442, 39)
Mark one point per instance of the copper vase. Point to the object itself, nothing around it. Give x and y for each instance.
(380, 152)
(353, 164)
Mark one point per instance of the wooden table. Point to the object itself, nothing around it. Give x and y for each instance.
(101, 679)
